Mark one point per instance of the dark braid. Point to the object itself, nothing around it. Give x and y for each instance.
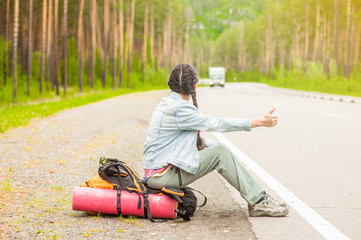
(200, 142)
(183, 79)
(194, 98)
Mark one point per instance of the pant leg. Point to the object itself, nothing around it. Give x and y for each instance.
(217, 157)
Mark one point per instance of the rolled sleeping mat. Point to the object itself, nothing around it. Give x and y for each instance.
(106, 201)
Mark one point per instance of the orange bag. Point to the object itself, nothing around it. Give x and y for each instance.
(98, 182)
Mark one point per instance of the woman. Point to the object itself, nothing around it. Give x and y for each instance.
(175, 154)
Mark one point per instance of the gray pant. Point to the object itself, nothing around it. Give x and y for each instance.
(217, 157)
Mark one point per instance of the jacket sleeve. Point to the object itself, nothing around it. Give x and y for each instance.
(189, 118)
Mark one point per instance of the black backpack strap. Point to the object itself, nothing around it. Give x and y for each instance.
(153, 191)
(147, 210)
(119, 194)
(146, 207)
(115, 165)
(205, 198)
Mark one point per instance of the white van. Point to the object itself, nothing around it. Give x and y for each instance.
(217, 76)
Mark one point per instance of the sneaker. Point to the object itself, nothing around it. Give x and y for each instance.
(270, 198)
(268, 207)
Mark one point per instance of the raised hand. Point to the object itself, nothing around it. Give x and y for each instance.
(270, 120)
(267, 121)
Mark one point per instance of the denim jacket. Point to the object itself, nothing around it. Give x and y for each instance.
(173, 131)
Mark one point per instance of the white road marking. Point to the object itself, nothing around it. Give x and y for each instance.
(326, 229)
(334, 115)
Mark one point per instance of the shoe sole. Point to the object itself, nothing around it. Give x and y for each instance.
(266, 214)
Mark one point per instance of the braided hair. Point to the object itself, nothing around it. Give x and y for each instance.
(183, 79)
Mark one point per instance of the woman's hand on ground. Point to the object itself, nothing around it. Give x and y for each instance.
(267, 121)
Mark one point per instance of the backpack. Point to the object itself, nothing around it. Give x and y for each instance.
(115, 174)
(123, 177)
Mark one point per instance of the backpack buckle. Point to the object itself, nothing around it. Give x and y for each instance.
(144, 193)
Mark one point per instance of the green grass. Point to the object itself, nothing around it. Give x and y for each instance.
(315, 79)
(6, 185)
(20, 115)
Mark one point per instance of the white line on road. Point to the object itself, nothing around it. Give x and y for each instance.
(333, 115)
(326, 229)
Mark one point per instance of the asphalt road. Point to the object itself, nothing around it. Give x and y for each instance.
(314, 151)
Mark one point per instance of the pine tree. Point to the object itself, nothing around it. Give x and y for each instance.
(15, 46)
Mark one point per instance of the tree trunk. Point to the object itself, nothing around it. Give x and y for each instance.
(268, 45)
(7, 31)
(324, 43)
(23, 41)
(317, 36)
(93, 41)
(169, 40)
(357, 44)
(273, 55)
(261, 59)
(49, 42)
(80, 45)
(165, 42)
(335, 33)
(198, 61)
(352, 44)
(347, 41)
(180, 46)
(341, 38)
(55, 48)
(15, 46)
(152, 40)
(145, 38)
(43, 44)
(174, 49)
(100, 44)
(127, 34)
(244, 60)
(159, 47)
(106, 40)
(240, 48)
(131, 39)
(289, 59)
(328, 46)
(281, 48)
(307, 20)
(167, 35)
(30, 48)
(295, 47)
(121, 43)
(87, 45)
(65, 44)
(114, 42)
(188, 15)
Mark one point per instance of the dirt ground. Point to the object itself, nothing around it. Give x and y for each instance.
(42, 162)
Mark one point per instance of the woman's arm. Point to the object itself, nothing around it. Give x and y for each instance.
(189, 118)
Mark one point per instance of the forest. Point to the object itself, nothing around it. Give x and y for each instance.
(64, 47)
